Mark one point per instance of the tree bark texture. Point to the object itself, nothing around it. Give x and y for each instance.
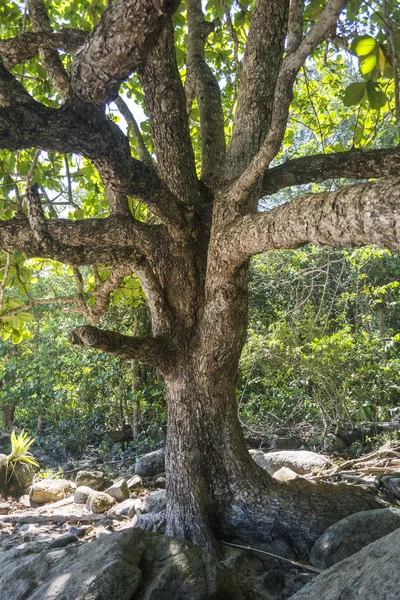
(192, 257)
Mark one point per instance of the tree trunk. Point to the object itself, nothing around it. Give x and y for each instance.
(216, 491)
(8, 416)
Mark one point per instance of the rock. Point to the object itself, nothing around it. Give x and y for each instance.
(285, 443)
(348, 536)
(5, 508)
(69, 468)
(27, 501)
(92, 479)
(391, 483)
(154, 503)
(3, 475)
(333, 443)
(284, 474)
(128, 564)
(299, 461)
(119, 490)
(21, 478)
(127, 508)
(99, 502)
(5, 441)
(80, 532)
(64, 540)
(160, 482)
(82, 493)
(51, 490)
(372, 573)
(151, 464)
(135, 484)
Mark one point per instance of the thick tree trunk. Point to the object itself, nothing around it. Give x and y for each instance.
(8, 416)
(216, 491)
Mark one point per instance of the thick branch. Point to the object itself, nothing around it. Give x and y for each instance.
(354, 164)
(25, 123)
(367, 213)
(295, 25)
(166, 105)
(106, 288)
(114, 232)
(49, 57)
(126, 32)
(26, 45)
(282, 99)
(153, 351)
(262, 60)
(201, 79)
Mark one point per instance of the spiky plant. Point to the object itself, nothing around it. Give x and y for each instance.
(20, 445)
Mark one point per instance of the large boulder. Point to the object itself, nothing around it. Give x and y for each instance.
(21, 478)
(51, 490)
(348, 536)
(96, 480)
(299, 461)
(371, 573)
(151, 464)
(129, 564)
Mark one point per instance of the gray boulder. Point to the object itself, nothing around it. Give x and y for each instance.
(299, 461)
(129, 564)
(82, 493)
(372, 573)
(151, 464)
(348, 536)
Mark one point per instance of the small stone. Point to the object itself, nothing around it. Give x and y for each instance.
(4, 508)
(135, 484)
(126, 508)
(333, 443)
(93, 479)
(160, 482)
(82, 493)
(119, 490)
(100, 502)
(285, 474)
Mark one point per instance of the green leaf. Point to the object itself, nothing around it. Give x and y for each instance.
(363, 45)
(377, 98)
(368, 64)
(354, 93)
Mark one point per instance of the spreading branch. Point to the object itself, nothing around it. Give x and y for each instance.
(282, 99)
(101, 240)
(25, 123)
(49, 56)
(131, 28)
(26, 45)
(353, 164)
(201, 79)
(166, 105)
(38, 302)
(367, 213)
(153, 351)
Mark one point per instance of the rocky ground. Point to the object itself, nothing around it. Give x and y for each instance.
(81, 524)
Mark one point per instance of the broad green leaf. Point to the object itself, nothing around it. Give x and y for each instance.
(377, 98)
(368, 64)
(354, 93)
(363, 45)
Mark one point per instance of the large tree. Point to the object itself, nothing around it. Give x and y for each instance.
(192, 250)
